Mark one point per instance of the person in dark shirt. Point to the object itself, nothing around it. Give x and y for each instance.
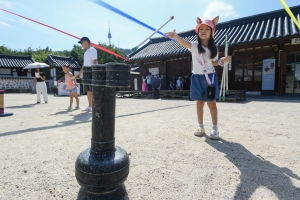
(172, 86)
(183, 83)
(155, 82)
(41, 87)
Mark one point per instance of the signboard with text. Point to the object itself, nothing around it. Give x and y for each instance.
(295, 41)
(268, 74)
(154, 71)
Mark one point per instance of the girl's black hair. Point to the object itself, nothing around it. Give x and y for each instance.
(211, 46)
(66, 65)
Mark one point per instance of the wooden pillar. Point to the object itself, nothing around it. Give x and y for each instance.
(282, 72)
(163, 72)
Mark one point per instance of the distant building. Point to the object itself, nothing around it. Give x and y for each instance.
(14, 79)
(253, 39)
(12, 76)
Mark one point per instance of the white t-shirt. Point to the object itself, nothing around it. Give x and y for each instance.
(197, 66)
(178, 82)
(89, 55)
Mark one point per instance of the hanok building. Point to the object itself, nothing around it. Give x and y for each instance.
(264, 50)
(14, 79)
(12, 75)
(56, 62)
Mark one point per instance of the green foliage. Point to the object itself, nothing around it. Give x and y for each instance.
(38, 55)
(77, 52)
(4, 50)
(59, 74)
(104, 57)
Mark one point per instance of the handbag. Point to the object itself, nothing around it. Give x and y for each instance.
(211, 92)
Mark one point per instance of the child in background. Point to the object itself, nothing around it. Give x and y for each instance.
(171, 86)
(204, 81)
(71, 86)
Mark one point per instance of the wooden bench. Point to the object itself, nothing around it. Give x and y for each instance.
(142, 94)
(163, 94)
(182, 94)
(166, 94)
(124, 93)
(238, 95)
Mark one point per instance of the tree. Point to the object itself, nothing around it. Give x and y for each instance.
(77, 53)
(104, 57)
(4, 50)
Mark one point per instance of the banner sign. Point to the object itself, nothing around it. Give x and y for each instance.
(62, 89)
(268, 74)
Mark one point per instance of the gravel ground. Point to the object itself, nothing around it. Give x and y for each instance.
(257, 157)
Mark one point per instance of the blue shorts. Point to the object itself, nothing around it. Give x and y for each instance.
(72, 90)
(199, 87)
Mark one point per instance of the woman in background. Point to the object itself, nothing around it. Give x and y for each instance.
(40, 86)
(144, 84)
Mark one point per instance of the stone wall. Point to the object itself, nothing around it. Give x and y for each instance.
(15, 83)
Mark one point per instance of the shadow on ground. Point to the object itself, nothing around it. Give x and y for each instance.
(77, 119)
(257, 172)
(23, 106)
(80, 118)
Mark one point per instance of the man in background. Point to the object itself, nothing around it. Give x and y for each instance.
(149, 79)
(89, 59)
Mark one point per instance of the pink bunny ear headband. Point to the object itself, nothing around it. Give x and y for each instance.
(210, 23)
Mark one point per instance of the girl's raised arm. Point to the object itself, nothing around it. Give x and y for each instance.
(181, 41)
(71, 75)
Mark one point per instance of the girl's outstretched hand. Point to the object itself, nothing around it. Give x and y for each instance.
(225, 60)
(172, 35)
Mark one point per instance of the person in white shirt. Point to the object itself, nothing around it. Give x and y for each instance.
(90, 58)
(178, 83)
(149, 80)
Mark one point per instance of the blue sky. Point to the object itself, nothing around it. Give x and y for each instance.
(84, 18)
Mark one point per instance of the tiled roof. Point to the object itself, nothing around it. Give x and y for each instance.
(59, 61)
(15, 61)
(262, 27)
(134, 68)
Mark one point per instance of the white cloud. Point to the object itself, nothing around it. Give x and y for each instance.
(31, 24)
(26, 21)
(6, 4)
(6, 18)
(4, 24)
(219, 8)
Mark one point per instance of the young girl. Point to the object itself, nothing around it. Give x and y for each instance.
(71, 86)
(204, 81)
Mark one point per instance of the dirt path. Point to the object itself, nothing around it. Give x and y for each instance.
(258, 156)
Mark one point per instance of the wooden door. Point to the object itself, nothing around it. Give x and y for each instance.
(282, 73)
